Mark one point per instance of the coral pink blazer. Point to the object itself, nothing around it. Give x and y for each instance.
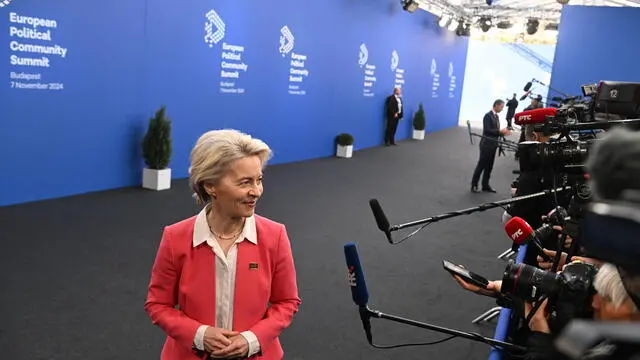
(266, 295)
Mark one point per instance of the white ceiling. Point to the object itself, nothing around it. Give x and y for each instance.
(545, 10)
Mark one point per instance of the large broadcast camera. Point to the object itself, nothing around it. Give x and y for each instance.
(575, 127)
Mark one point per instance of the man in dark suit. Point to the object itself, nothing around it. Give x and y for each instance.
(488, 147)
(394, 111)
(512, 105)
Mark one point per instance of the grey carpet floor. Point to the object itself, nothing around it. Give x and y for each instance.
(74, 271)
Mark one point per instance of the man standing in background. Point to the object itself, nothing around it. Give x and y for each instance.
(512, 105)
(491, 133)
(393, 113)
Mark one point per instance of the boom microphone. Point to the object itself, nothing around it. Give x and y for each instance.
(381, 219)
(528, 86)
(358, 286)
(535, 116)
(521, 233)
(525, 95)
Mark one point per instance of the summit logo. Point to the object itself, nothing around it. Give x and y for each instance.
(4, 3)
(434, 67)
(395, 60)
(287, 40)
(214, 28)
(450, 69)
(363, 55)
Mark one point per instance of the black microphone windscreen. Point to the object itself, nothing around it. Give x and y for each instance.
(528, 86)
(378, 214)
(523, 97)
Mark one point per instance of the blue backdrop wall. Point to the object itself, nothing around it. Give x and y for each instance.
(592, 46)
(81, 87)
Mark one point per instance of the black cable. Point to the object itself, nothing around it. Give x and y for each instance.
(413, 344)
(535, 308)
(411, 234)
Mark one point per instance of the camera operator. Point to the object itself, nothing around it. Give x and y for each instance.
(617, 298)
(532, 210)
(615, 176)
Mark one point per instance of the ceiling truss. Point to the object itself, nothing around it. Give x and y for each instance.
(470, 11)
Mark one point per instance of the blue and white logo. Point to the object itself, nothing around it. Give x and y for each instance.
(364, 55)
(434, 67)
(395, 60)
(450, 69)
(286, 40)
(4, 3)
(214, 28)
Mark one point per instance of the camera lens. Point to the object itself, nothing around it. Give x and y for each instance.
(527, 282)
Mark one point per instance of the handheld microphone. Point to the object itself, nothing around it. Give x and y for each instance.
(361, 298)
(381, 219)
(522, 233)
(535, 116)
(358, 286)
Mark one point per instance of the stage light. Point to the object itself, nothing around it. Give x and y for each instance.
(463, 29)
(453, 25)
(551, 27)
(410, 5)
(504, 25)
(485, 23)
(532, 26)
(444, 21)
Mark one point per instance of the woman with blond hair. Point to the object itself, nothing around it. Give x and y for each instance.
(223, 284)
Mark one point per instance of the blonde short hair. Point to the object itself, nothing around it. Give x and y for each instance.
(215, 151)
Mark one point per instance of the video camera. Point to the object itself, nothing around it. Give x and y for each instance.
(575, 122)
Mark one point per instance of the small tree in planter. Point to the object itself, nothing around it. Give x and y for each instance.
(156, 151)
(344, 145)
(419, 124)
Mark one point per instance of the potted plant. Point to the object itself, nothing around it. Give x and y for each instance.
(419, 124)
(344, 145)
(156, 151)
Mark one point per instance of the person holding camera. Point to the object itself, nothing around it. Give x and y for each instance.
(615, 179)
(617, 298)
(532, 210)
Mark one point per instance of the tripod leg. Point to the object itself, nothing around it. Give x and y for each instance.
(487, 315)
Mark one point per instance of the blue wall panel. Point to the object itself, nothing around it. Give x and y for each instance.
(593, 45)
(126, 58)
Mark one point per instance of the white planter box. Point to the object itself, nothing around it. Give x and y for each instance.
(344, 151)
(418, 134)
(156, 179)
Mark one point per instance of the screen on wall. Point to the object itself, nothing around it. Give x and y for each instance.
(80, 88)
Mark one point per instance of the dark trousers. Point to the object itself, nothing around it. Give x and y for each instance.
(485, 165)
(390, 131)
(509, 118)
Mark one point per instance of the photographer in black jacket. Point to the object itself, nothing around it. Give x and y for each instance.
(532, 210)
(615, 174)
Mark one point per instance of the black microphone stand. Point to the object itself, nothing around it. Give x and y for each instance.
(365, 311)
(481, 207)
(504, 143)
(550, 88)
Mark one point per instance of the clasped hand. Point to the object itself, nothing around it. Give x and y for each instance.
(224, 344)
